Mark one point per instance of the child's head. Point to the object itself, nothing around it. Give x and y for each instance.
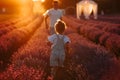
(60, 27)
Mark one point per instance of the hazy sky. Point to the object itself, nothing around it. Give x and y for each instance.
(8, 3)
(13, 2)
(12, 6)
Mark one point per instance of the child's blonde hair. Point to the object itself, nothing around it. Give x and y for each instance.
(60, 26)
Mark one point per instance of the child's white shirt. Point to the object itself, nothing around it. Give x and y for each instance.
(53, 38)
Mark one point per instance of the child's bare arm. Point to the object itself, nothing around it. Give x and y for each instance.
(67, 49)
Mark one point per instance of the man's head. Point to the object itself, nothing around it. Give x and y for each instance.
(55, 4)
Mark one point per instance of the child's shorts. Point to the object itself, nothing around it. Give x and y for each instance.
(57, 58)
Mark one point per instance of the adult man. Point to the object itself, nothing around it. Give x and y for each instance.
(54, 14)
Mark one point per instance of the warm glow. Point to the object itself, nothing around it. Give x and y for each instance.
(22, 7)
(37, 6)
(39, 0)
(42, 0)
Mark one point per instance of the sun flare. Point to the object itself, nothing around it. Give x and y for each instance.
(38, 6)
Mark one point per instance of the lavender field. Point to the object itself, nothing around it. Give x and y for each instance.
(94, 53)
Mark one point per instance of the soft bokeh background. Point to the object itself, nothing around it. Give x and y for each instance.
(31, 6)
